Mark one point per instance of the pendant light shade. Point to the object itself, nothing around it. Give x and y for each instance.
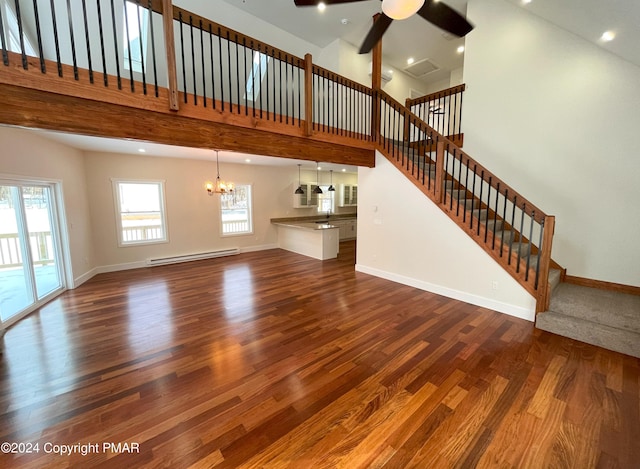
(401, 9)
(317, 190)
(331, 188)
(299, 190)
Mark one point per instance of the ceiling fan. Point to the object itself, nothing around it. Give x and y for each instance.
(433, 11)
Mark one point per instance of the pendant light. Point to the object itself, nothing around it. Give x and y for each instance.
(331, 188)
(220, 186)
(317, 189)
(299, 190)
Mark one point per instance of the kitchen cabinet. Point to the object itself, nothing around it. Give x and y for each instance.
(347, 195)
(347, 228)
(308, 199)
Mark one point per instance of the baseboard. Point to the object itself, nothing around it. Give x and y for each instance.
(105, 269)
(142, 264)
(602, 285)
(263, 247)
(83, 278)
(489, 303)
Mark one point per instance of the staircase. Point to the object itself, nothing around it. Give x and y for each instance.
(599, 317)
(465, 191)
(511, 229)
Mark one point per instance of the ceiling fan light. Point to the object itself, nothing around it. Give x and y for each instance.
(401, 9)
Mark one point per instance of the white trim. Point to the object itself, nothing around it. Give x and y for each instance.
(83, 278)
(160, 183)
(104, 269)
(263, 247)
(489, 303)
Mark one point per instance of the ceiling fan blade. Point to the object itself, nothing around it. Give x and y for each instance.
(445, 18)
(313, 3)
(375, 33)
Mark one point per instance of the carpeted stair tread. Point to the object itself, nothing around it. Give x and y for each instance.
(612, 338)
(606, 307)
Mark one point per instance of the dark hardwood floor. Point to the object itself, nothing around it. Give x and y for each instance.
(272, 359)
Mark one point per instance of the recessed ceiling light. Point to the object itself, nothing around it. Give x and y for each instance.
(460, 49)
(526, 1)
(142, 150)
(608, 36)
(410, 60)
(345, 21)
(322, 6)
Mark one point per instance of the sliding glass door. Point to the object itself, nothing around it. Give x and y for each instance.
(30, 268)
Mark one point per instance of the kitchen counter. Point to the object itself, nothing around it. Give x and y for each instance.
(317, 240)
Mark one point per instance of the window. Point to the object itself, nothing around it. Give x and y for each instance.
(258, 71)
(326, 200)
(11, 26)
(140, 212)
(135, 21)
(235, 211)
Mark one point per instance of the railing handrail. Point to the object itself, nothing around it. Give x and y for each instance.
(504, 188)
(341, 79)
(436, 95)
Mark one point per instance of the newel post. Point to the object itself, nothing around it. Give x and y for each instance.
(308, 94)
(439, 172)
(543, 296)
(170, 48)
(376, 84)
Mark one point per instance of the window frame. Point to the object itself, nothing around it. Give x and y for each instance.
(249, 212)
(160, 183)
(326, 195)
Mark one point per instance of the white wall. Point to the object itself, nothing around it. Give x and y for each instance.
(557, 118)
(241, 21)
(29, 155)
(403, 236)
(356, 67)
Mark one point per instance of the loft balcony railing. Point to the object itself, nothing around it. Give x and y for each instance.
(442, 110)
(152, 55)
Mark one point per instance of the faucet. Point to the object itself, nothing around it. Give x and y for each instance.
(328, 213)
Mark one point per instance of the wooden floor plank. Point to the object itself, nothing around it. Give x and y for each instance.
(271, 359)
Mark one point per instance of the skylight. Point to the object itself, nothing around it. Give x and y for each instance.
(258, 71)
(14, 33)
(135, 24)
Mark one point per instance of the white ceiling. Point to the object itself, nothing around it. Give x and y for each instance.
(132, 147)
(417, 38)
(412, 37)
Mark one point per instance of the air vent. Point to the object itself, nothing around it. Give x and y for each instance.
(421, 68)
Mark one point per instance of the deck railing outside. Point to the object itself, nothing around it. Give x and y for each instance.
(41, 244)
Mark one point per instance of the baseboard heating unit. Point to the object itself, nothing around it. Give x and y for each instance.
(193, 257)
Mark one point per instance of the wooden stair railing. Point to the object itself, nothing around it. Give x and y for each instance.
(516, 233)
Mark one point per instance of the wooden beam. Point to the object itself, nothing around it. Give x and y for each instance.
(169, 45)
(43, 110)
